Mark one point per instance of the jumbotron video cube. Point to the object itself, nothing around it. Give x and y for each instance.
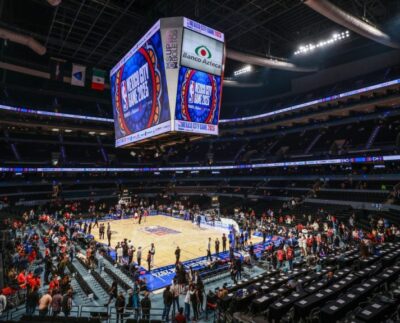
(169, 83)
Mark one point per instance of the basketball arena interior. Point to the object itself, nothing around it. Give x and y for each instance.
(200, 161)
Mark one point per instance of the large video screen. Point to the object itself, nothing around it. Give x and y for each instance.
(139, 92)
(201, 52)
(198, 101)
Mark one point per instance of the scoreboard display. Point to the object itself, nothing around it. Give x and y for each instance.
(169, 82)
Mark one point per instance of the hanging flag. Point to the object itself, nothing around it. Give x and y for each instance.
(78, 75)
(98, 78)
(57, 69)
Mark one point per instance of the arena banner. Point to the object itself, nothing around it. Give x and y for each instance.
(198, 102)
(139, 91)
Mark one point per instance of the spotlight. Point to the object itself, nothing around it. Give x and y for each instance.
(303, 49)
(243, 70)
(132, 153)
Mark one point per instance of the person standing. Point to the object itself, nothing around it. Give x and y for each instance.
(224, 242)
(209, 249)
(130, 254)
(175, 294)
(44, 304)
(120, 307)
(32, 300)
(198, 219)
(140, 216)
(71, 251)
(120, 254)
(279, 257)
(167, 298)
(100, 260)
(289, 257)
(152, 253)
(251, 251)
(67, 303)
(264, 234)
(187, 302)
(56, 302)
(96, 221)
(3, 302)
(145, 304)
(194, 300)
(101, 231)
(136, 298)
(217, 247)
(177, 254)
(139, 256)
(149, 260)
(113, 292)
(109, 237)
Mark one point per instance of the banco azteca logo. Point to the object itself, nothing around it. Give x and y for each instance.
(203, 51)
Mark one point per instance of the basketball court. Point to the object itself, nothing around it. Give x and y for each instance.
(166, 233)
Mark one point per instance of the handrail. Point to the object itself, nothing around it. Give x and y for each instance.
(81, 310)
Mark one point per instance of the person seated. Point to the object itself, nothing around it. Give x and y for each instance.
(223, 292)
(329, 276)
(292, 284)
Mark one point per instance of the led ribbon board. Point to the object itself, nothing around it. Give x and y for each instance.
(337, 161)
(25, 110)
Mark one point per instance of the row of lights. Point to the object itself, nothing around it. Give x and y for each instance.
(304, 49)
(244, 70)
(92, 133)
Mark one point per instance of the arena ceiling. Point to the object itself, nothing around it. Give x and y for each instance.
(99, 32)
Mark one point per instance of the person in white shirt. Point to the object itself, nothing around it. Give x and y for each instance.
(152, 252)
(119, 254)
(187, 304)
(3, 302)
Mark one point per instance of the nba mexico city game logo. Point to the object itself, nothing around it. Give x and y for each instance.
(124, 96)
(138, 91)
(199, 96)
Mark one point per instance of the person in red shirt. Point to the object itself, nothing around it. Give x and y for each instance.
(180, 318)
(54, 283)
(280, 255)
(21, 278)
(299, 227)
(34, 281)
(29, 277)
(289, 257)
(32, 256)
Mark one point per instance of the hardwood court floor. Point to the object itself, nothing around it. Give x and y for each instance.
(166, 233)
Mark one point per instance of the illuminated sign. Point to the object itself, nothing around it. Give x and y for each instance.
(198, 102)
(349, 160)
(139, 92)
(202, 53)
(275, 112)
